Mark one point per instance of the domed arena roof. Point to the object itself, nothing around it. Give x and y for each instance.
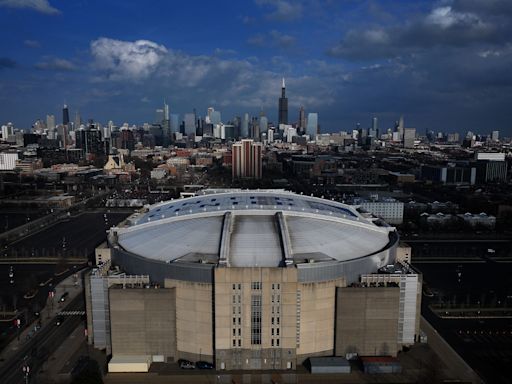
(269, 228)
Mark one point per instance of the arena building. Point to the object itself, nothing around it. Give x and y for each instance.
(250, 280)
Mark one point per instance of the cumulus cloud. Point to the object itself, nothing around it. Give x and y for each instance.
(42, 6)
(282, 10)
(125, 59)
(55, 64)
(443, 26)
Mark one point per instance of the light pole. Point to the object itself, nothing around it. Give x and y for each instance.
(26, 371)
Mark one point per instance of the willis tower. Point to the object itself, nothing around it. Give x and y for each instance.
(283, 106)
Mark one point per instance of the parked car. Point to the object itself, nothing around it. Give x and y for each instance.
(59, 320)
(186, 364)
(204, 365)
(64, 296)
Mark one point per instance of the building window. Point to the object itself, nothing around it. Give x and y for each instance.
(277, 342)
(234, 343)
(239, 342)
(272, 343)
(256, 285)
(256, 319)
(234, 286)
(234, 332)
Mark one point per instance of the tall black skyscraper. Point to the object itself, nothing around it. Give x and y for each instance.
(283, 106)
(65, 115)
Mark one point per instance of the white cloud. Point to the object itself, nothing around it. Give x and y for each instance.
(42, 6)
(282, 10)
(446, 17)
(125, 59)
(55, 64)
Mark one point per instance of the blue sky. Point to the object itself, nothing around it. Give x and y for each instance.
(445, 65)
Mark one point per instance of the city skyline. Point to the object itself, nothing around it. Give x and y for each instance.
(444, 65)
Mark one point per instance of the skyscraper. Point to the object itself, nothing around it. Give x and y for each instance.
(190, 124)
(78, 120)
(302, 120)
(263, 124)
(244, 128)
(166, 126)
(312, 127)
(247, 159)
(65, 115)
(50, 121)
(283, 106)
(400, 128)
(409, 136)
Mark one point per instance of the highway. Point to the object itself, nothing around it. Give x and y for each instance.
(36, 352)
(78, 236)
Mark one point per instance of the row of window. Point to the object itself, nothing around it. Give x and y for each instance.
(256, 286)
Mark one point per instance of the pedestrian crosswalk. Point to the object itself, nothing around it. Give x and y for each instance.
(71, 313)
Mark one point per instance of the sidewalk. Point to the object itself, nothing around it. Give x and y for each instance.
(47, 314)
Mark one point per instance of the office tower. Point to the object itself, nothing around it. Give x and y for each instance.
(263, 124)
(50, 122)
(89, 139)
(246, 159)
(159, 115)
(78, 120)
(374, 130)
(166, 111)
(190, 124)
(209, 114)
(65, 115)
(302, 120)
(270, 135)
(400, 128)
(215, 117)
(175, 123)
(312, 126)
(166, 126)
(495, 136)
(244, 128)
(283, 106)
(409, 136)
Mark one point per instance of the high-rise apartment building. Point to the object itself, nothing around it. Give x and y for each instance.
(247, 159)
(283, 105)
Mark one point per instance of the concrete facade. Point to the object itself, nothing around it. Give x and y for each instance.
(194, 321)
(367, 321)
(143, 322)
(296, 320)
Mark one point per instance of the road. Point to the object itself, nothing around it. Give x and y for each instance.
(78, 236)
(36, 352)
